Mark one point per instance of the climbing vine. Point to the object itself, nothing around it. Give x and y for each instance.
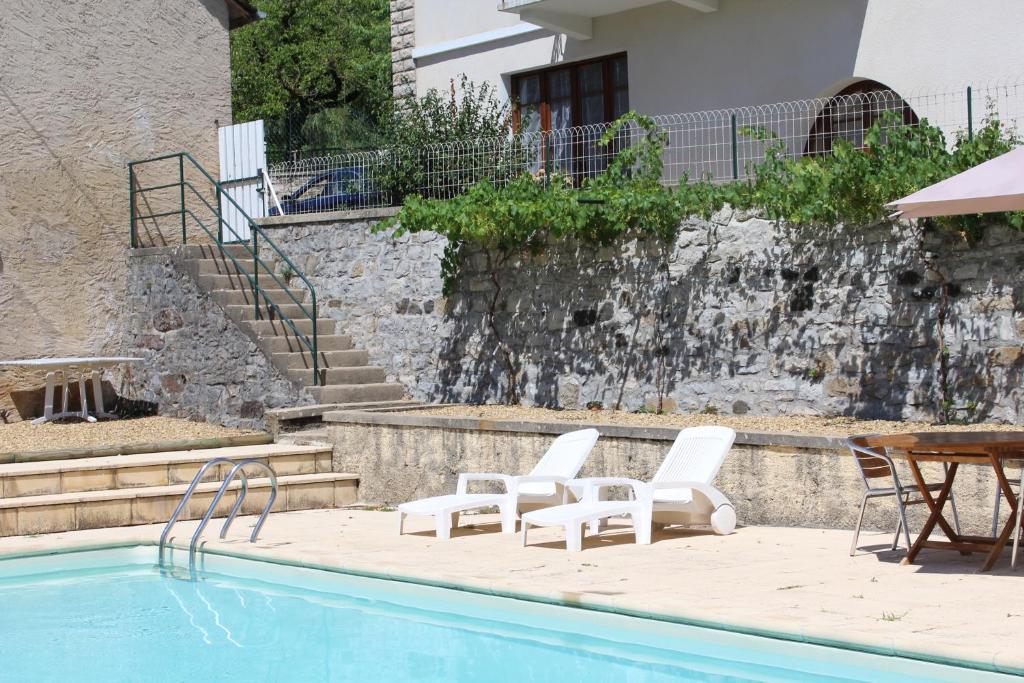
(849, 185)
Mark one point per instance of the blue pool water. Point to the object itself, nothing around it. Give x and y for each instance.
(112, 616)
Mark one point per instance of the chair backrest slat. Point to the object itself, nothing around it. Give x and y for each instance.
(696, 455)
(872, 463)
(564, 458)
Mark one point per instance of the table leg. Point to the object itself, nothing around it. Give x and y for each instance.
(97, 394)
(47, 400)
(935, 507)
(1004, 537)
(65, 396)
(84, 399)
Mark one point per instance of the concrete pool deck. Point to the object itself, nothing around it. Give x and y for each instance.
(767, 580)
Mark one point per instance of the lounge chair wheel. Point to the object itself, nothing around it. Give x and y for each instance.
(723, 520)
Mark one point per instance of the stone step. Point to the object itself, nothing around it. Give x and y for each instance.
(241, 297)
(289, 344)
(155, 504)
(201, 251)
(352, 358)
(284, 421)
(278, 328)
(287, 310)
(361, 375)
(225, 266)
(234, 281)
(57, 477)
(356, 393)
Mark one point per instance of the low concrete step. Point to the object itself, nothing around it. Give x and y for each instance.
(360, 375)
(306, 437)
(289, 344)
(278, 328)
(356, 393)
(284, 421)
(241, 297)
(155, 504)
(150, 469)
(328, 359)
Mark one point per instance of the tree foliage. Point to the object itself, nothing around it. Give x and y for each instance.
(307, 57)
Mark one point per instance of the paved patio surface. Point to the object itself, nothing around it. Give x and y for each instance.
(800, 582)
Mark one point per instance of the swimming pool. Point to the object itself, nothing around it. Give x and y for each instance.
(110, 615)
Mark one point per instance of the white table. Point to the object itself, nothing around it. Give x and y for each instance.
(66, 367)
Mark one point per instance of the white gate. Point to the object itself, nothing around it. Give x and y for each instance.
(243, 156)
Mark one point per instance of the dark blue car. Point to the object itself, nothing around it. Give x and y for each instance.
(342, 188)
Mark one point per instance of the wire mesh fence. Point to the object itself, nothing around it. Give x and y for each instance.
(721, 146)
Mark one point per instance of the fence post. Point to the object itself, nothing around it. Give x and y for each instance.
(735, 159)
(970, 114)
(548, 161)
(131, 204)
(181, 194)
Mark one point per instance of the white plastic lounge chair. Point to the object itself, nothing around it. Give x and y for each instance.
(680, 493)
(545, 485)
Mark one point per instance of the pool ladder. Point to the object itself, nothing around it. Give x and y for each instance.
(236, 472)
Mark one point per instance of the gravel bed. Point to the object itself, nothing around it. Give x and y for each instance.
(23, 436)
(792, 424)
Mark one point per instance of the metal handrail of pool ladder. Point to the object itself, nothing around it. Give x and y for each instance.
(236, 470)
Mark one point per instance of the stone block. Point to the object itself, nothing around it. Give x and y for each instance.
(46, 519)
(87, 480)
(310, 496)
(135, 477)
(32, 485)
(101, 514)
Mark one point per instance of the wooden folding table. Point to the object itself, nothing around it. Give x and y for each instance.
(955, 448)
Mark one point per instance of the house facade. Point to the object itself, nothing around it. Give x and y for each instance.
(85, 87)
(580, 62)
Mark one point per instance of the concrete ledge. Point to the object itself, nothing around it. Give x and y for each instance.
(132, 449)
(327, 217)
(618, 431)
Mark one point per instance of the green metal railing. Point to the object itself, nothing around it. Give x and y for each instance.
(251, 245)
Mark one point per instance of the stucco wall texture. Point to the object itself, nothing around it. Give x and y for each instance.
(85, 87)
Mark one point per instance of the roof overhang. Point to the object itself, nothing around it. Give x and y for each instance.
(240, 13)
(575, 17)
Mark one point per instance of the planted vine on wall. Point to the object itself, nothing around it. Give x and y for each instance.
(848, 186)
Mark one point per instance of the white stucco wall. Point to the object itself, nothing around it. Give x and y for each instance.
(749, 51)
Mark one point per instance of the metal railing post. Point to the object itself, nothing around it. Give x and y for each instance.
(220, 219)
(735, 159)
(132, 238)
(255, 272)
(970, 114)
(181, 194)
(316, 359)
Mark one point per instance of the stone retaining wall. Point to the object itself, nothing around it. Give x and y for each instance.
(198, 363)
(772, 479)
(738, 316)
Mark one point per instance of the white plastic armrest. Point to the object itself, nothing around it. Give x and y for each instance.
(592, 486)
(467, 477)
(715, 497)
(539, 479)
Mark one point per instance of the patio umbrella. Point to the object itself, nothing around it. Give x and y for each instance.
(996, 185)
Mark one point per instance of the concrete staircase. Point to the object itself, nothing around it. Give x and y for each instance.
(124, 490)
(345, 373)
